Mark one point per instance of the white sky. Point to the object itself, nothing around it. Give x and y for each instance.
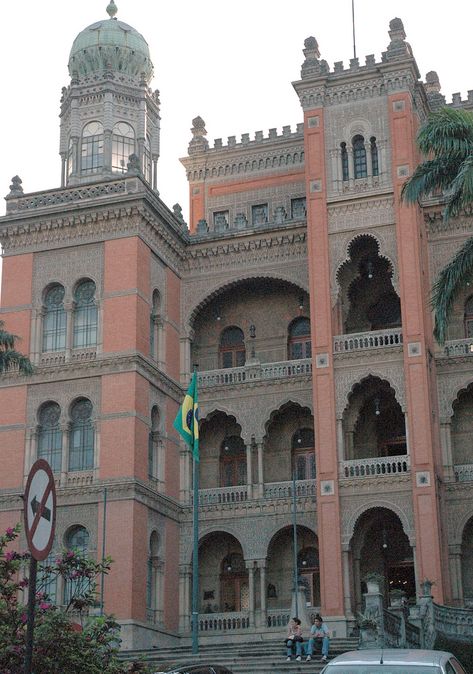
(231, 63)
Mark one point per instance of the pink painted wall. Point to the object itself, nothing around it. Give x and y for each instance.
(331, 578)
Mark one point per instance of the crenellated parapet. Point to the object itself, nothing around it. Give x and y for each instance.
(263, 152)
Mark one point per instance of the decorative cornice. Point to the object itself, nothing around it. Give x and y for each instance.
(103, 365)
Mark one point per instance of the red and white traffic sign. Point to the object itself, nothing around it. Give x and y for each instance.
(40, 509)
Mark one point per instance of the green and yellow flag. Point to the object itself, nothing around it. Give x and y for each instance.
(186, 422)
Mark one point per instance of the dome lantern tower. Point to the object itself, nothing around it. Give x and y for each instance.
(108, 112)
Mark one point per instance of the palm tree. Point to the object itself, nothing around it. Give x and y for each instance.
(10, 359)
(447, 139)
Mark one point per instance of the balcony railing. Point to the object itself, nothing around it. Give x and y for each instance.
(223, 622)
(257, 372)
(362, 341)
(464, 473)
(392, 465)
(272, 490)
(459, 347)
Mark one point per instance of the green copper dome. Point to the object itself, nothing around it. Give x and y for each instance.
(110, 46)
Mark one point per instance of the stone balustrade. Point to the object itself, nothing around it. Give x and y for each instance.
(278, 618)
(272, 490)
(454, 622)
(255, 372)
(284, 489)
(458, 347)
(224, 622)
(223, 495)
(361, 341)
(390, 465)
(464, 473)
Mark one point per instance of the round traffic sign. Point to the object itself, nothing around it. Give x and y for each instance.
(40, 509)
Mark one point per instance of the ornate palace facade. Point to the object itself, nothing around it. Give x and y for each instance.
(300, 291)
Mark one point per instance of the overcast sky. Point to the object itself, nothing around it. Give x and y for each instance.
(230, 63)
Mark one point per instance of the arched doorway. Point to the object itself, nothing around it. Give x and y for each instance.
(462, 427)
(379, 544)
(223, 576)
(222, 452)
(289, 444)
(373, 422)
(467, 564)
(280, 567)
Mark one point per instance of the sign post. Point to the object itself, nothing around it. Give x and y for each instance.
(39, 506)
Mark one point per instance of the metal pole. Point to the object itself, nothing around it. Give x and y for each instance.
(104, 525)
(294, 533)
(195, 561)
(31, 612)
(353, 24)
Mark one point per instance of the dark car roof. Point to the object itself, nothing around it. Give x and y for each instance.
(201, 667)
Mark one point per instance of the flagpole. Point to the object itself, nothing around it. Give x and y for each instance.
(294, 535)
(353, 25)
(195, 560)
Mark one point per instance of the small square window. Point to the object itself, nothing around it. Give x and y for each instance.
(259, 214)
(298, 208)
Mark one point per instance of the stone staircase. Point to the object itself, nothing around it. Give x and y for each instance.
(261, 657)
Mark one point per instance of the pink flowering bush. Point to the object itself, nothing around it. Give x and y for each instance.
(59, 647)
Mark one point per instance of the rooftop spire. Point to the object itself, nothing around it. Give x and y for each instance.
(112, 9)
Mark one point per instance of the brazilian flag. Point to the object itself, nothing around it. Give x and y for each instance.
(186, 422)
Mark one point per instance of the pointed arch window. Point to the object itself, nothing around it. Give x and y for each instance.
(123, 145)
(50, 435)
(81, 443)
(54, 323)
(374, 156)
(468, 318)
(232, 462)
(92, 148)
(232, 347)
(77, 540)
(344, 158)
(299, 344)
(359, 157)
(85, 315)
(303, 454)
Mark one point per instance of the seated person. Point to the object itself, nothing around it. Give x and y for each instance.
(320, 636)
(294, 636)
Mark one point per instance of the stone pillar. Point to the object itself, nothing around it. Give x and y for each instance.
(446, 446)
(350, 444)
(37, 345)
(249, 470)
(186, 365)
(351, 165)
(160, 461)
(251, 587)
(369, 162)
(69, 308)
(65, 430)
(259, 446)
(340, 441)
(455, 564)
(107, 151)
(155, 169)
(96, 468)
(262, 581)
(357, 583)
(184, 598)
(75, 156)
(347, 583)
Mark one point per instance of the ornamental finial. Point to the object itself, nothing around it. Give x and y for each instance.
(112, 9)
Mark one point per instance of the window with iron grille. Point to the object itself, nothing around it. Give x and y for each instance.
(50, 435)
(81, 441)
(359, 157)
(85, 315)
(92, 148)
(54, 322)
(123, 145)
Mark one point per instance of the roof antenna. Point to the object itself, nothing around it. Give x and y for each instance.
(353, 23)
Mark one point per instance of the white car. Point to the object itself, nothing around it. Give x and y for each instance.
(394, 661)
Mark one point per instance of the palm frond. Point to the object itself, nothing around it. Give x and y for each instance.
(462, 189)
(448, 132)
(429, 176)
(451, 280)
(14, 360)
(7, 340)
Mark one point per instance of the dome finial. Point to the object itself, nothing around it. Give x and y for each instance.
(112, 9)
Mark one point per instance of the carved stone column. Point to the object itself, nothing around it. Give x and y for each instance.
(65, 430)
(261, 563)
(184, 597)
(251, 590)
(347, 583)
(186, 365)
(369, 163)
(69, 308)
(249, 470)
(259, 447)
(351, 166)
(340, 440)
(446, 446)
(357, 583)
(455, 564)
